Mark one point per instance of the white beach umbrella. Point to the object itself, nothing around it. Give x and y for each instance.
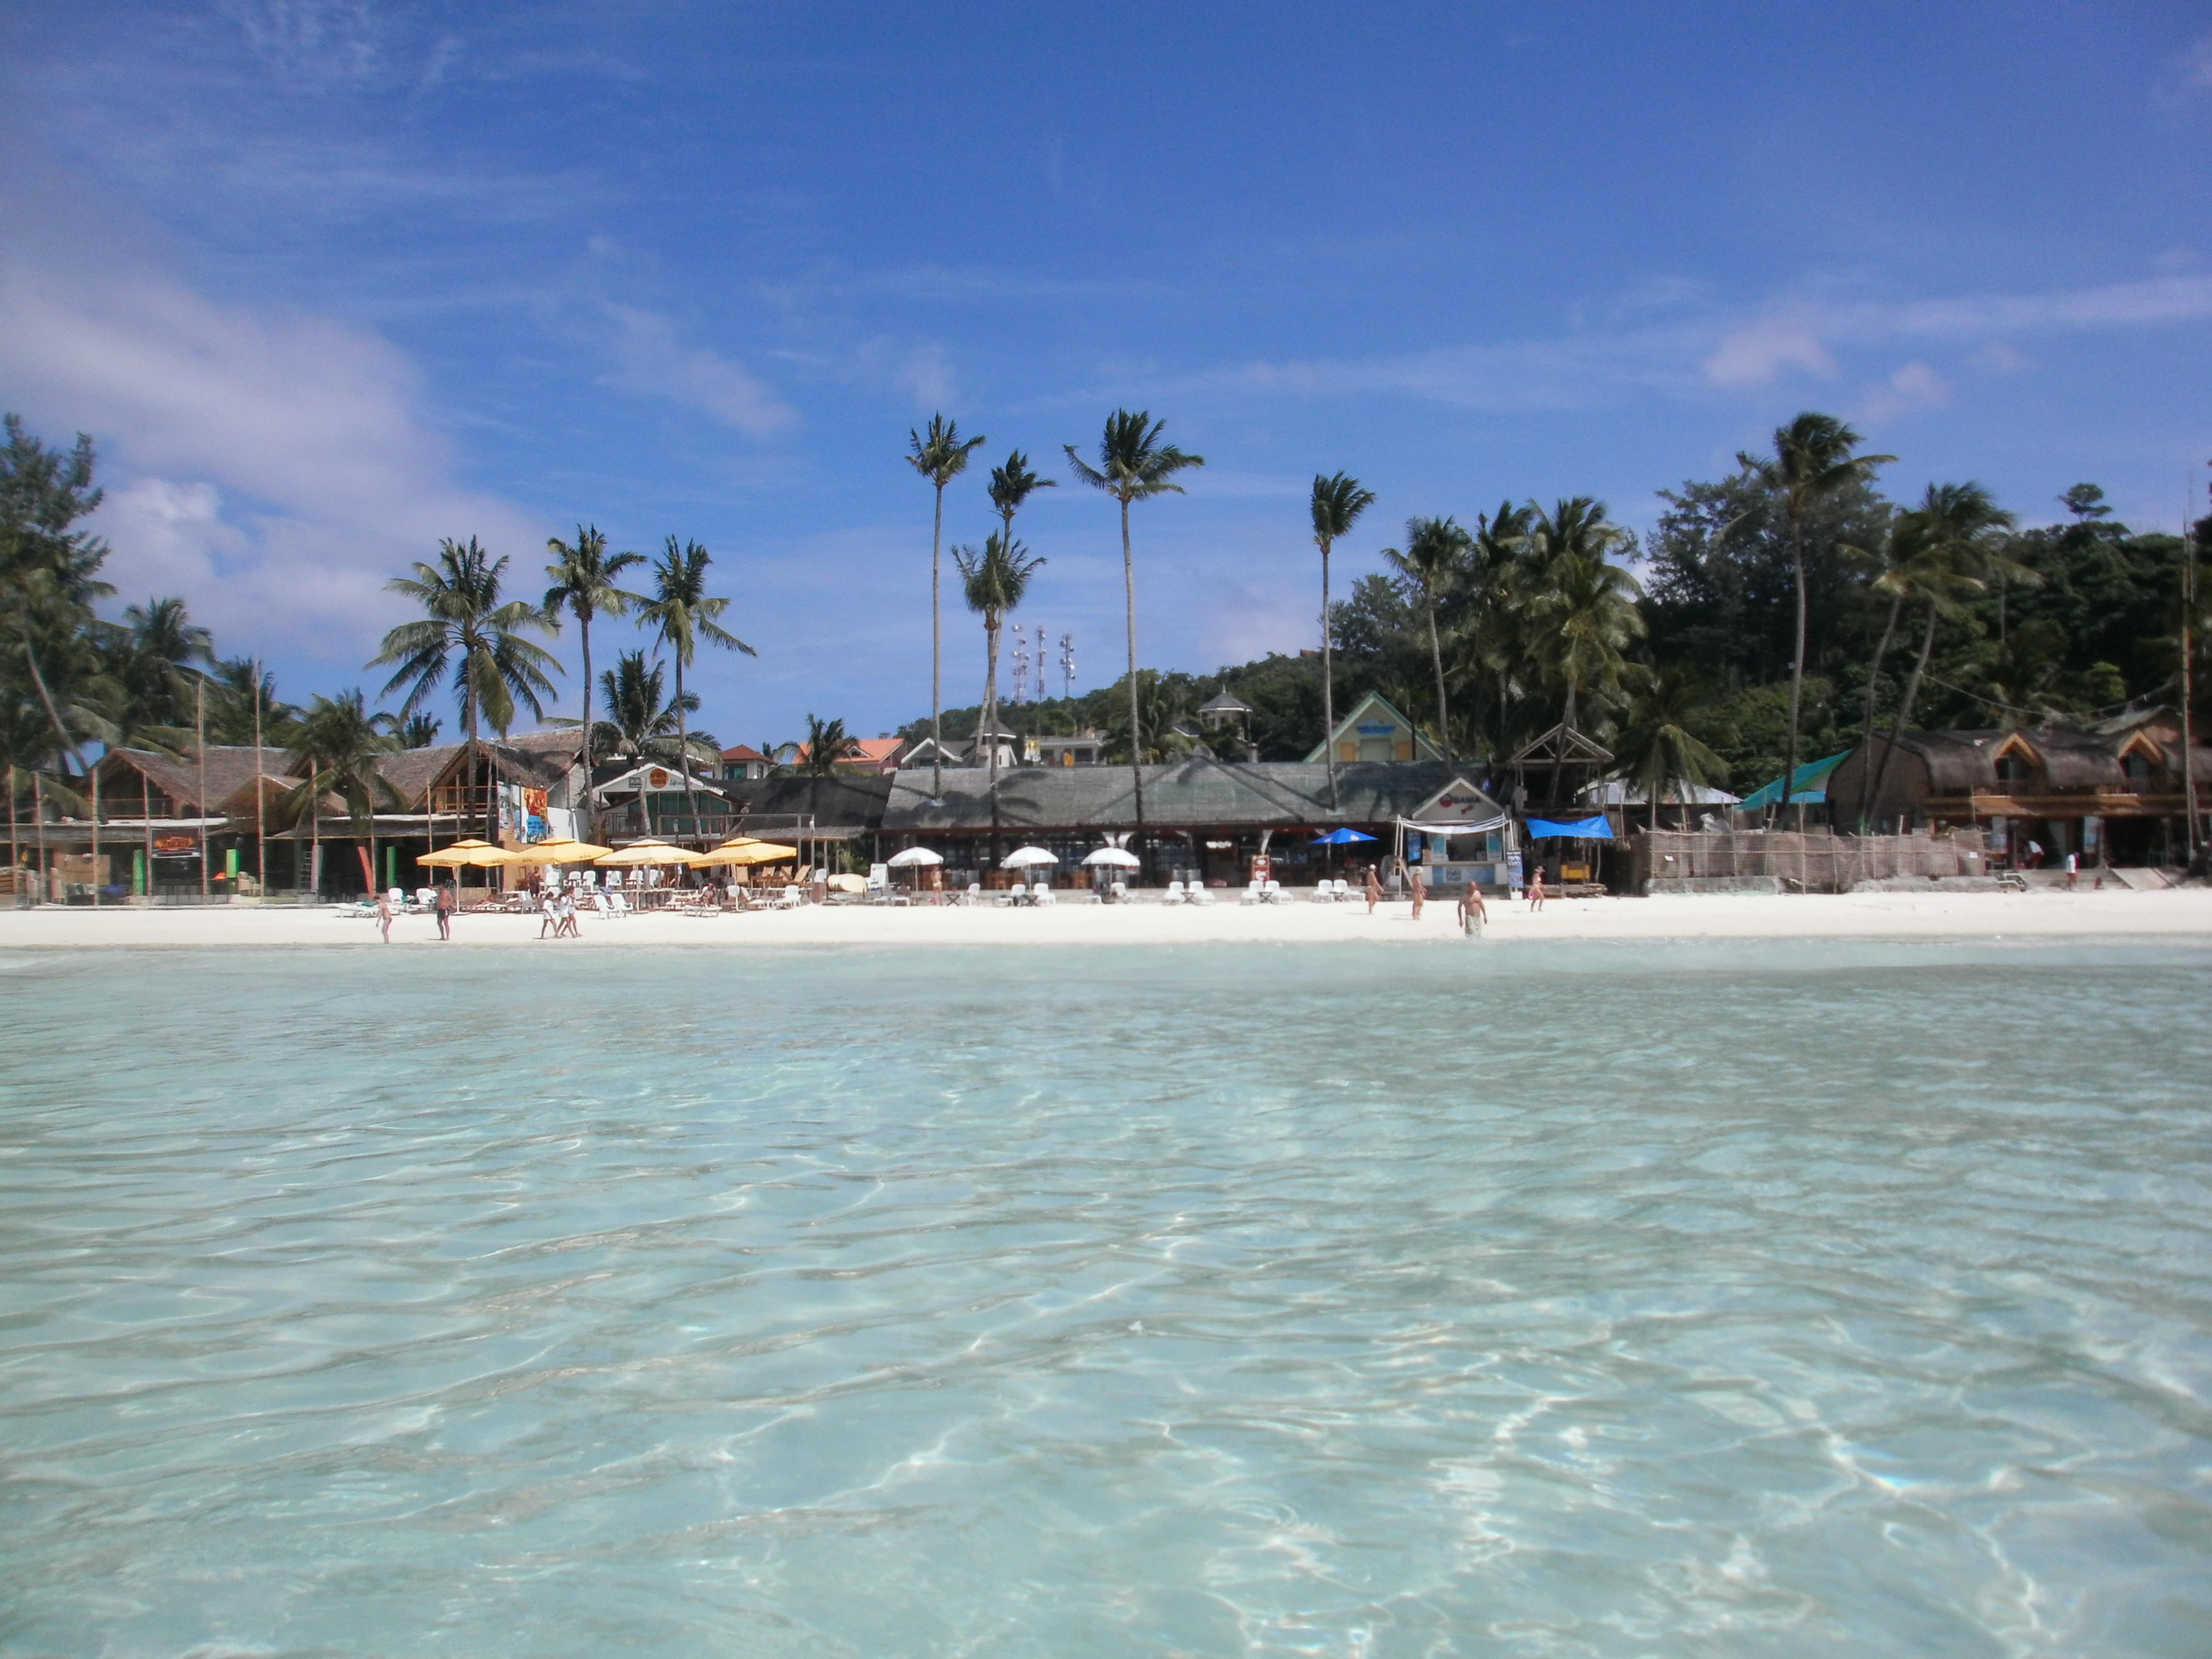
(1022, 857)
(1114, 856)
(914, 856)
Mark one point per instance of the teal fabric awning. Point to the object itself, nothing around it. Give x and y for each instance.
(1807, 786)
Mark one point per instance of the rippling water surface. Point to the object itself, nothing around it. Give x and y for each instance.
(1804, 1299)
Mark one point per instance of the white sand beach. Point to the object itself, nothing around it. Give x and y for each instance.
(2111, 914)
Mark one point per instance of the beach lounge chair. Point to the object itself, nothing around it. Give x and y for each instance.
(1044, 893)
(1175, 892)
(1251, 895)
(1119, 891)
(1198, 893)
(1271, 893)
(1018, 893)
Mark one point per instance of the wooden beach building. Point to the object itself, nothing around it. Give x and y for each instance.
(2113, 796)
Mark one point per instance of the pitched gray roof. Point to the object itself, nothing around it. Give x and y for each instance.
(1198, 792)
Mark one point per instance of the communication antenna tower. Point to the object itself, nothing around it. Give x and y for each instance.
(1021, 664)
(1068, 664)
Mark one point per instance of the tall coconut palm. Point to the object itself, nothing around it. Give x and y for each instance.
(1501, 546)
(1338, 500)
(1899, 573)
(1812, 459)
(1957, 530)
(683, 614)
(467, 631)
(1438, 558)
(335, 748)
(1657, 746)
(583, 575)
(49, 572)
(995, 583)
(1581, 607)
(941, 457)
(1133, 466)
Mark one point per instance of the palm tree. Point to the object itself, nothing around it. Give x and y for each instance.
(1133, 466)
(338, 745)
(827, 742)
(1955, 529)
(995, 582)
(1338, 501)
(418, 730)
(1811, 459)
(583, 576)
(466, 629)
(1439, 557)
(1657, 746)
(1501, 544)
(683, 613)
(641, 723)
(940, 457)
(1581, 607)
(1898, 576)
(49, 573)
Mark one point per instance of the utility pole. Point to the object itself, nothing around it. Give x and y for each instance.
(2188, 682)
(260, 801)
(199, 743)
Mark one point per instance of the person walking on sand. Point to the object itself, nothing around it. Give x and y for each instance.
(1536, 889)
(383, 915)
(1472, 913)
(442, 906)
(567, 910)
(2073, 870)
(549, 916)
(1374, 889)
(1420, 889)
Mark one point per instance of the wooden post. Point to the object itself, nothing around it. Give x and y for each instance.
(2188, 685)
(38, 819)
(97, 884)
(145, 825)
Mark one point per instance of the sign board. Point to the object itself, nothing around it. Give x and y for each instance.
(175, 846)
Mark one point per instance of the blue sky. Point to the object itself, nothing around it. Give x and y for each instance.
(333, 280)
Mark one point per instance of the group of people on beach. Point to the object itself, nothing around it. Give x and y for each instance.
(442, 906)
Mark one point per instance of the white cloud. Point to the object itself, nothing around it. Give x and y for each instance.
(1759, 350)
(1912, 387)
(651, 360)
(271, 466)
(926, 377)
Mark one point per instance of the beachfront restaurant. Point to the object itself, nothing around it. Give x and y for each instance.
(2112, 796)
(1202, 818)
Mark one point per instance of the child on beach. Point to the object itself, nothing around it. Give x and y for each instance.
(1420, 890)
(1536, 889)
(1374, 889)
(383, 915)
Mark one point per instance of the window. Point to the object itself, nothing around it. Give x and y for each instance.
(2013, 768)
(2136, 768)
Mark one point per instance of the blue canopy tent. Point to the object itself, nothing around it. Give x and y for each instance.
(1808, 786)
(1341, 837)
(1594, 829)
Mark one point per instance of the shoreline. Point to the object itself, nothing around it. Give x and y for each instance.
(2179, 914)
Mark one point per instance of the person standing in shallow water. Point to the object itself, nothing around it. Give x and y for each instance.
(1374, 889)
(1536, 889)
(383, 915)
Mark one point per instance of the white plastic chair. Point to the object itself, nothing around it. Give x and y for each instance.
(1042, 894)
(1271, 893)
(1018, 893)
(1198, 894)
(1120, 890)
(1175, 892)
(1251, 893)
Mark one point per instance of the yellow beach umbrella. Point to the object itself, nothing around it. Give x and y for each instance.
(562, 851)
(745, 850)
(470, 854)
(646, 852)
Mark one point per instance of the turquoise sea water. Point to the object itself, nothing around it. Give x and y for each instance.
(1601, 1300)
